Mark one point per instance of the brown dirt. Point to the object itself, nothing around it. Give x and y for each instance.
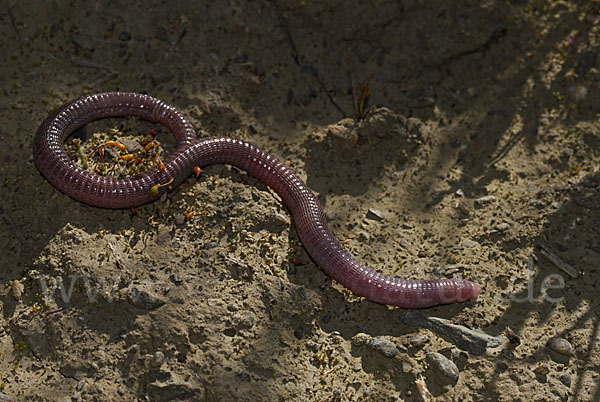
(473, 98)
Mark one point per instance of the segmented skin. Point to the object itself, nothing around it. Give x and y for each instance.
(107, 192)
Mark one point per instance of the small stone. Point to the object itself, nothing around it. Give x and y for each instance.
(565, 378)
(485, 200)
(512, 337)
(158, 359)
(542, 370)
(508, 354)
(345, 130)
(176, 279)
(144, 300)
(418, 341)
(578, 92)
(537, 203)
(444, 366)
(555, 205)
(361, 339)
(179, 219)
(562, 346)
(246, 320)
(502, 365)
(299, 333)
(124, 36)
(244, 376)
(302, 292)
(163, 235)
(385, 347)
(502, 226)
(473, 341)
(468, 243)
(375, 214)
(282, 219)
(80, 385)
(17, 289)
(131, 145)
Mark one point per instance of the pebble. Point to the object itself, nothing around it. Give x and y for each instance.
(537, 203)
(17, 289)
(299, 333)
(542, 369)
(131, 145)
(163, 235)
(578, 92)
(361, 339)
(179, 219)
(144, 300)
(345, 130)
(485, 200)
(302, 292)
(244, 376)
(176, 279)
(468, 243)
(383, 346)
(158, 359)
(283, 219)
(418, 341)
(502, 226)
(562, 346)
(473, 341)
(444, 366)
(508, 354)
(375, 214)
(246, 320)
(565, 378)
(512, 337)
(210, 245)
(125, 36)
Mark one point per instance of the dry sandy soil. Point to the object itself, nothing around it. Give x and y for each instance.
(478, 155)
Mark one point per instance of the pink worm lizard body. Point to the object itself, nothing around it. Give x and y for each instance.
(107, 192)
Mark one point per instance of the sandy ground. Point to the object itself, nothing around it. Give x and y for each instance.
(472, 99)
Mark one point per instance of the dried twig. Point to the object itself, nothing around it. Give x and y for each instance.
(12, 19)
(79, 62)
(554, 259)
